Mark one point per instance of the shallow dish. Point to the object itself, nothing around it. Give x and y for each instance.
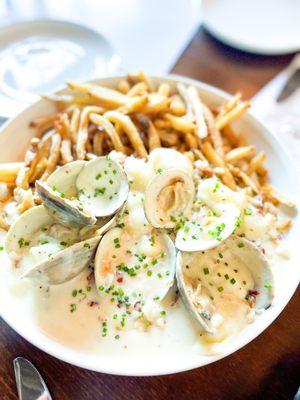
(14, 138)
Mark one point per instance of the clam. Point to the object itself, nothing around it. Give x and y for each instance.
(136, 265)
(46, 250)
(222, 287)
(216, 216)
(169, 198)
(82, 194)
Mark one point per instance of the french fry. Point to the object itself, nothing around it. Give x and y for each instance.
(284, 226)
(9, 171)
(129, 128)
(161, 123)
(272, 194)
(156, 104)
(137, 103)
(168, 138)
(123, 86)
(3, 223)
(229, 105)
(74, 124)
(177, 106)
(213, 131)
(230, 135)
(153, 137)
(39, 170)
(217, 161)
(145, 78)
(138, 89)
(182, 90)
(82, 134)
(180, 124)
(98, 143)
(65, 151)
(244, 178)
(232, 115)
(190, 140)
(239, 153)
(199, 155)
(104, 123)
(27, 201)
(256, 164)
(53, 157)
(108, 98)
(164, 89)
(197, 106)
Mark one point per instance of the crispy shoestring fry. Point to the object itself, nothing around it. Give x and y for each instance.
(53, 157)
(92, 120)
(231, 115)
(284, 226)
(229, 105)
(108, 127)
(164, 89)
(217, 161)
(123, 86)
(213, 131)
(244, 177)
(138, 89)
(82, 134)
(239, 152)
(198, 109)
(275, 196)
(180, 124)
(74, 124)
(177, 106)
(98, 143)
(130, 130)
(153, 137)
(145, 78)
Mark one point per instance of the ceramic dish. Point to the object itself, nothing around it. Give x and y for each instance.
(14, 139)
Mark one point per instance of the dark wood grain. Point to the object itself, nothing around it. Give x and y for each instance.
(266, 369)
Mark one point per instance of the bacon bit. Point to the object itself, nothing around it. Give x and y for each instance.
(92, 303)
(253, 292)
(91, 278)
(176, 297)
(119, 277)
(137, 307)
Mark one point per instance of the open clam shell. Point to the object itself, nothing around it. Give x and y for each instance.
(120, 263)
(81, 192)
(235, 274)
(169, 198)
(46, 250)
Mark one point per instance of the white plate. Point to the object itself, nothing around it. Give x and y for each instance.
(14, 138)
(39, 56)
(269, 27)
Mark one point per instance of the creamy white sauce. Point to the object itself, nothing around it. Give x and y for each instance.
(77, 315)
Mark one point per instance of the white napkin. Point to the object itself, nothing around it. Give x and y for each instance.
(282, 119)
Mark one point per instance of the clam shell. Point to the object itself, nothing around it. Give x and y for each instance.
(65, 264)
(166, 204)
(105, 277)
(59, 267)
(257, 265)
(79, 193)
(65, 211)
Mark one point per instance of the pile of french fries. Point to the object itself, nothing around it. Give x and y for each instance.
(136, 118)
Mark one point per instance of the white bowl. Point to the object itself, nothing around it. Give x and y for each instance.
(14, 138)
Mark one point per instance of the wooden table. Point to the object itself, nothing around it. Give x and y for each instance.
(268, 368)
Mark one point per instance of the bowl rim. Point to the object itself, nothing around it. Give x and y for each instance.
(77, 358)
